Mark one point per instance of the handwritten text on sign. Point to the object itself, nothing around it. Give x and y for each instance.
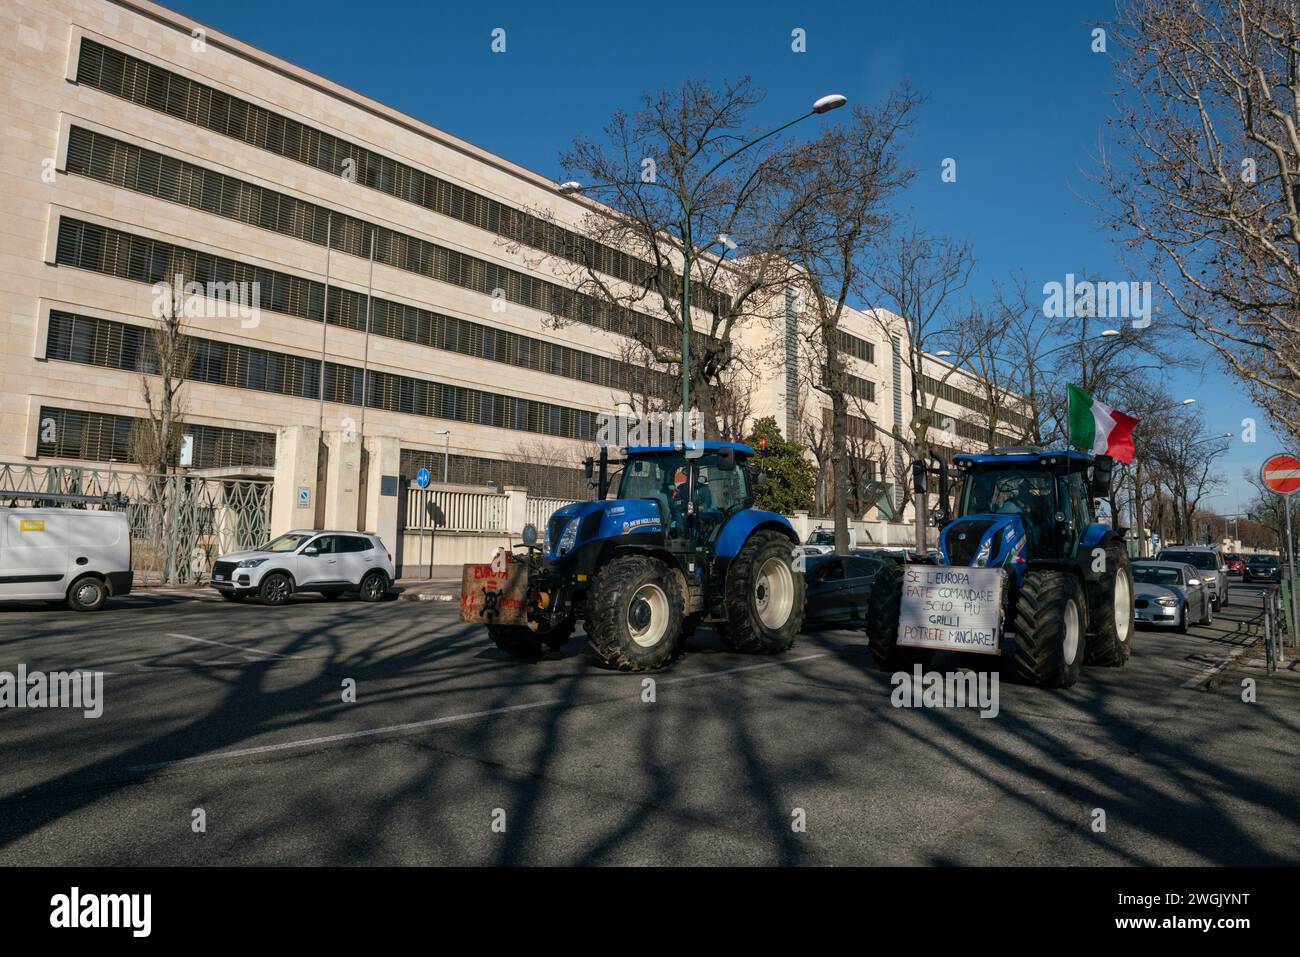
(954, 609)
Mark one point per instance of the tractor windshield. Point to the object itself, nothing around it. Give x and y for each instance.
(666, 479)
(1003, 491)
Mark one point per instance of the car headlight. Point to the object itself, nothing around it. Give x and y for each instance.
(251, 562)
(1167, 602)
(569, 537)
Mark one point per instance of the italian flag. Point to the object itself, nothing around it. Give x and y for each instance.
(1099, 429)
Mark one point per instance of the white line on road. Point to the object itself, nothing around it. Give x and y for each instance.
(241, 648)
(1204, 676)
(433, 722)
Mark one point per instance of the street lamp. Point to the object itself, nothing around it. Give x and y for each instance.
(824, 104)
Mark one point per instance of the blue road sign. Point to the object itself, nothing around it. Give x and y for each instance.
(422, 478)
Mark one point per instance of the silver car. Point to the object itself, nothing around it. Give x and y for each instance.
(1206, 559)
(330, 563)
(1171, 595)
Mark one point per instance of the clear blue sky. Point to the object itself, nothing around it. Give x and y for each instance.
(1015, 95)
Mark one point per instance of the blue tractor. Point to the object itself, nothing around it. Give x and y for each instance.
(1067, 584)
(677, 545)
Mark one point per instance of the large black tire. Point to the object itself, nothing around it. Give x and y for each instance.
(634, 614)
(884, 602)
(1113, 617)
(1051, 636)
(275, 589)
(374, 586)
(764, 596)
(87, 594)
(520, 641)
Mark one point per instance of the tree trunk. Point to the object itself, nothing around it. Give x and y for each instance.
(839, 469)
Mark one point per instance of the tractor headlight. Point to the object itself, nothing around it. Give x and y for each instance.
(981, 559)
(1167, 602)
(569, 537)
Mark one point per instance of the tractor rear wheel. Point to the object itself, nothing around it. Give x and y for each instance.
(520, 641)
(1112, 639)
(764, 597)
(634, 614)
(1050, 639)
(884, 603)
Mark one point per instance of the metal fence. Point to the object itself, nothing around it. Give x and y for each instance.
(179, 523)
(451, 511)
(540, 510)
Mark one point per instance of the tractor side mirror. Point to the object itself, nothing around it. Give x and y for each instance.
(761, 480)
(726, 459)
(1103, 475)
(589, 465)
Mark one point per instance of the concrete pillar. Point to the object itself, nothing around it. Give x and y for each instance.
(342, 490)
(383, 489)
(293, 503)
(516, 508)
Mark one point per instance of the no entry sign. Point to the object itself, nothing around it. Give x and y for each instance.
(1281, 474)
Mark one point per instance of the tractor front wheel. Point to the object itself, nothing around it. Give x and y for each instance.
(634, 614)
(764, 597)
(884, 603)
(519, 641)
(1110, 643)
(1050, 638)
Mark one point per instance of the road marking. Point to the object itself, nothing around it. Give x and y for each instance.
(1204, 676)
(431, 722)
(240, 648)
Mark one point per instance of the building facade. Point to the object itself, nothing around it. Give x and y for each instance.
(362, 294)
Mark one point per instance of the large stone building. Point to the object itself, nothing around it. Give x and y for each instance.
(140, 145)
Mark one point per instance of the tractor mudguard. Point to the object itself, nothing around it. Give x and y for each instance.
(743, 524)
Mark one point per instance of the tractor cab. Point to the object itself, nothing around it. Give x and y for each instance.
(1021, 504)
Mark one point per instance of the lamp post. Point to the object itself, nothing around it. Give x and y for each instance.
(823, 104)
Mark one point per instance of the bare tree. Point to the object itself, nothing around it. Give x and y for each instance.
(670, 190)
(1206, 181)
(156, 438)
(1184, 455)
(841, 183)
(917, 279)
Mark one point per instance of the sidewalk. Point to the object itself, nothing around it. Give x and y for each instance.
(439, 588)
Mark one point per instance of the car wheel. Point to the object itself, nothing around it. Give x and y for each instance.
(1208, 617)
(87, 594)
(276, 589)
(1181, 627)
(374, 586)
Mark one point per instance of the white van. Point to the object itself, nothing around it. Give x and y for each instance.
(64, 554)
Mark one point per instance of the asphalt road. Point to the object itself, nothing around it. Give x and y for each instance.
(239, 711)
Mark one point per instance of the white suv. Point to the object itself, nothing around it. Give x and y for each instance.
(321, 561)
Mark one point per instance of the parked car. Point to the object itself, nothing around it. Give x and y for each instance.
(821, 540)
(836, 589)
(1236, 564)
(900, 555)
(1171, 594)
(1208, 560)
(74, 555)
(1262, 568)
(331, 563)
